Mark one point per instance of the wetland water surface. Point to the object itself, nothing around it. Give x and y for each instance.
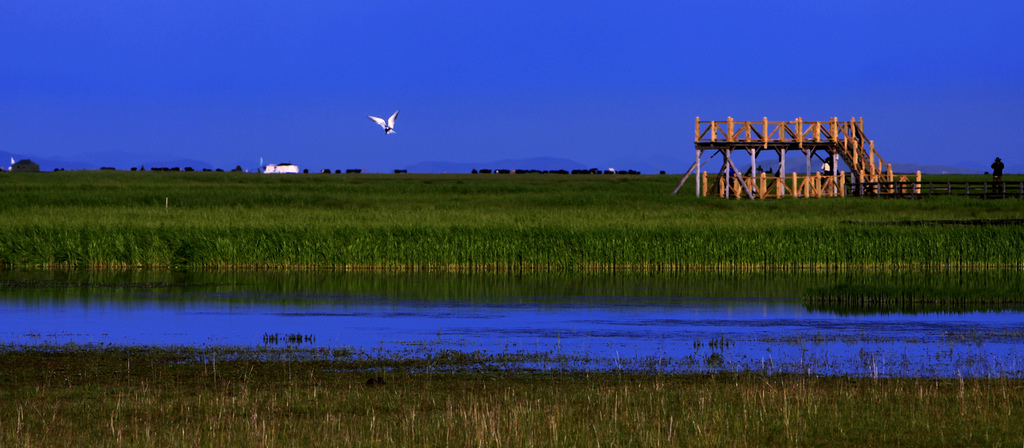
(656, 323)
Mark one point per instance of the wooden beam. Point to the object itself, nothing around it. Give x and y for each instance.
(744, 184)
(694, 165)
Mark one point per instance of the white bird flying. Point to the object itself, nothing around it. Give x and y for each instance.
(389, 126)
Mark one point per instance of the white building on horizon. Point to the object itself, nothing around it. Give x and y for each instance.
(282, 168)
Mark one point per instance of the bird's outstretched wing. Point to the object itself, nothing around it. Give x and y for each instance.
(379, 121)
(391, 121)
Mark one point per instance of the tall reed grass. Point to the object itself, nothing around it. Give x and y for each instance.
(455, 222)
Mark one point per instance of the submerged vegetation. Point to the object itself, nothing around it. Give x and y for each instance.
(471, 222)
(138, 396)
(919, 291)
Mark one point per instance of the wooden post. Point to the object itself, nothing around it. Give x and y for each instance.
(856, 157)
(807, 155)
(696, 131)
(700, 154)
(917, 186)
(729, 136)
(753, 161)
(704, 191)
(782, 172)
(762, 192)
(800, 132)
(796, 187)
(728, 173)
(842, 184)
(835, 166)
(764, 131)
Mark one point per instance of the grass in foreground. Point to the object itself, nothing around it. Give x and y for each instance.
(158, 397)
(456, 222)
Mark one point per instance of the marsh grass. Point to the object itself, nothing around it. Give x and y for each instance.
(101, 396)
(919, 292)
(471, 222)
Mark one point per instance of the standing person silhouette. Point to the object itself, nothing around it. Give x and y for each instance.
(997, 170)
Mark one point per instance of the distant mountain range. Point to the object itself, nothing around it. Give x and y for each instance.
(649, 165)
(538, 163)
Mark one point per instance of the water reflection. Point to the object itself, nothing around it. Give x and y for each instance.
(679, 322)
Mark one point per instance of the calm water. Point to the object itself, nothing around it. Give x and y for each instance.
(666, 323)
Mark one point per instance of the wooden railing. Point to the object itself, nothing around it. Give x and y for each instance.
(904, 188)
(763, 186)
(845, 138)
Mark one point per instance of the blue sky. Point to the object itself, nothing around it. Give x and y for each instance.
(604, 83)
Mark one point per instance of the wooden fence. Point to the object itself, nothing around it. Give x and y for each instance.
(983, 190)
(818, 185)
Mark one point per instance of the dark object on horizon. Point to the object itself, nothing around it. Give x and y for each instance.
(559, 172)
(337, 171)
(325, 171)
(474, 171)
(175, 169)
(188, 168)
(485, 171)
(662, 172)
(206, 170)
(997, 170)
(107, 168)
(353, 171)
(374, 382)
(25, 166)
(237, 168)
(502, 171)
(219, 170)
(133, 168)
(306, 171)
(401, 171)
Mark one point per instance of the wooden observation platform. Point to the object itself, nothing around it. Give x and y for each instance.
(817, 141)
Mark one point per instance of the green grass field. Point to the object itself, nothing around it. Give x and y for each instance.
(70, 396)
(536, 221)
